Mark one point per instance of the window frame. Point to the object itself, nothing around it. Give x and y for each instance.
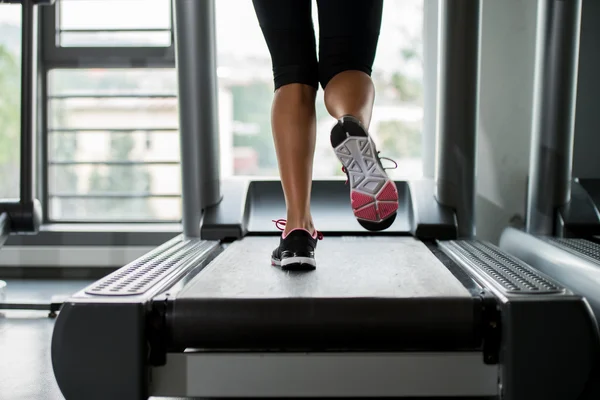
(51, 56)
(55, 57)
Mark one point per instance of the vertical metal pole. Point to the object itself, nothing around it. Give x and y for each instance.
(195, 47)
(555, 90)
(458, 94)
(4, 231)
(28, 59)
(430, 54)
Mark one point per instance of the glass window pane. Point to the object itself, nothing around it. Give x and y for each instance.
(114, 210)
(397, 121)
(94, 142)
(108, 180)
(246, 92)
(100, 81)
(79, 19)
(116, 39)
(10, 99)
(113, 146)
(125, 113)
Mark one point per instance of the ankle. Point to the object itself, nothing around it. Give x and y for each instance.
(305, 223)
(359, 118)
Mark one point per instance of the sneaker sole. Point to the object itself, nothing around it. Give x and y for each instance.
(295, 264)
(373, 194)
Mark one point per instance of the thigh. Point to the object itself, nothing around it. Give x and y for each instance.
(349, 33)
(288, 30)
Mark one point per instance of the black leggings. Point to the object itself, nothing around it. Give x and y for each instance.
(348, 35)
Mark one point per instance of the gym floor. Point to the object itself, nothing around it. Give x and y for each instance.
(26, 368)
(25, 364)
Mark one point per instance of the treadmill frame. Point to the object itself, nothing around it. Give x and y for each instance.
(248, 206)
(558, 205)
(210, 375)
(134, 351)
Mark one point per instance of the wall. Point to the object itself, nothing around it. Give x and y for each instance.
(586, 163)
(508, 57)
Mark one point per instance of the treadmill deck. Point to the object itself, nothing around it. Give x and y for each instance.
(367, 293)
(347, 267)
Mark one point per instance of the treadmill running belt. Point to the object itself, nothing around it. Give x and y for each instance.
(366, 292)
(346, 267)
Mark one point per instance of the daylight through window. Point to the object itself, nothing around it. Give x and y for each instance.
(10, 99)
(112, 130)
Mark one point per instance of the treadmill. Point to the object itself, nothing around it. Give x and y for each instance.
(23, 216)
(422, 310)
(561, 235)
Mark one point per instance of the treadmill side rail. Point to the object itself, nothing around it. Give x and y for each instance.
(341, 375)
(545, 327)
(99, 345)
(429, 219)
(227, 219)
(560, 259)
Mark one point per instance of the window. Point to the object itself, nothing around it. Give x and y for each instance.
(100, 166)
(101, 23)
(112, 143)
(10, 99)
(112, 125)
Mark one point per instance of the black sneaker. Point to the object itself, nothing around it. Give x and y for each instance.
(373, 194)
(296, 251)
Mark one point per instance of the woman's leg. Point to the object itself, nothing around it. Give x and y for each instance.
(288, 30)
(351, 93)
(294, 131)
(349, 32)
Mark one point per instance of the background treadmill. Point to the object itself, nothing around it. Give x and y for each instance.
(23, 216)
(563, 218)
(410, 312)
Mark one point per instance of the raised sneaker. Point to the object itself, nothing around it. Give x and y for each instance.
(373, 195)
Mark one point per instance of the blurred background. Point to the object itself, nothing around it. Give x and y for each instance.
(112, 132)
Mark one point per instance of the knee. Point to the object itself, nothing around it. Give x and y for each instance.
(297, 94)
(328, 74)
(305, 74)
(340, 54)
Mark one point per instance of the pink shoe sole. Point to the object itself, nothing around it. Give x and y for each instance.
(375, 208)
(373, 194)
